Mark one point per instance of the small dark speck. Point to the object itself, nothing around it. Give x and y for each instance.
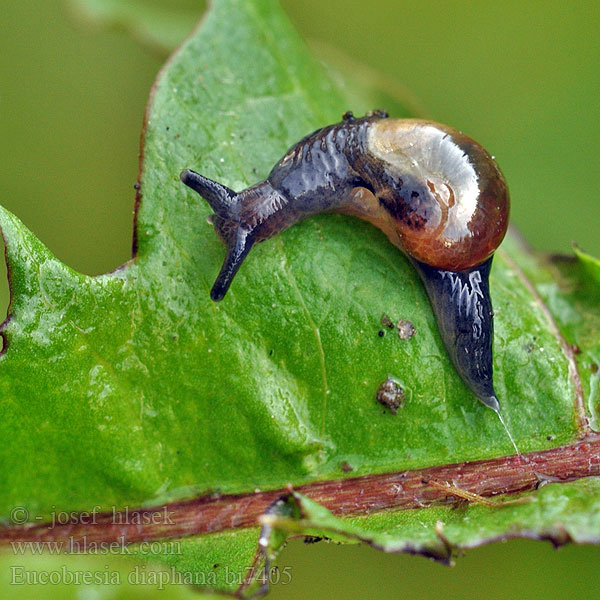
(549, 437)
(178, 136)
(380, 333)
(174, 337)
(575, 349)
(271, 352)
(406, 329)
(594, 368)
(168, 128)
(136, 185)
(390, 395)
(346, 467)
(386, 321)
(255, 171)
(216, 566)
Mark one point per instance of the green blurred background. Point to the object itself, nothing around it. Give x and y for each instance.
(520, 77)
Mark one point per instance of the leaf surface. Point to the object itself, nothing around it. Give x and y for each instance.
(134, 389)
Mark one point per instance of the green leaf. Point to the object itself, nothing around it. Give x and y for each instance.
(133, 389)
(573, 295)
(591, 266)
(567, 512)
(154, 23)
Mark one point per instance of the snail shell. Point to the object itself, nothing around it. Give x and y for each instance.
(436, 193)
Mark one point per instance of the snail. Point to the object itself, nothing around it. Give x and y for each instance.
(436, 194)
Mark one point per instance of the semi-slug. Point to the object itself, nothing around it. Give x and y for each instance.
(436, 193)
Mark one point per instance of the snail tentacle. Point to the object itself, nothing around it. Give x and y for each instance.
(216, 194)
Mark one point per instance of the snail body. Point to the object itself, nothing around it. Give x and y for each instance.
(436, 194)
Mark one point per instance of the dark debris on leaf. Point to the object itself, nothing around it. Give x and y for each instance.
(391, 395)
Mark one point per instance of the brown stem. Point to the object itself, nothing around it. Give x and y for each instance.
(352, 496)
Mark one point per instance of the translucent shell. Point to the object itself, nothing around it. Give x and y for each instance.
(443, 201)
